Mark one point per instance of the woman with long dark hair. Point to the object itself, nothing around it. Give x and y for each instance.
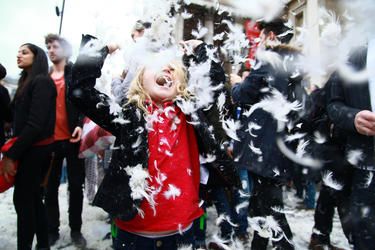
(29, 157)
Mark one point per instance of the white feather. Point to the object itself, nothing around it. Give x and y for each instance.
(330, 182)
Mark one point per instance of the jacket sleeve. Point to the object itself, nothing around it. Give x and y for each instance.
(249, 91)
(43, 95)
(92, 103)
(5, 113)
(342, 115)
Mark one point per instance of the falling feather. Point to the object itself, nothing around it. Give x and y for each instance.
(330, 182)
(172, 192)
(253, 126)
(242, 205)
(369, 179)
(354, 156)
(230, 127)
(186, 15)
(200, 32)
(254, 149)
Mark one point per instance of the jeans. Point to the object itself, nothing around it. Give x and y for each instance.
(223, 206)
(129, 241)
(240, 197)
(310, 195)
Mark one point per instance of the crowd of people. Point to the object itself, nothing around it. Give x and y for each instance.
(175, 146)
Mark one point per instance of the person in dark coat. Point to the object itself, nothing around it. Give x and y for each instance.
(158, 137)
(68, 131)
(256, 148)
(5, 114)
(351, 108)
(331, 150)
(34, 120)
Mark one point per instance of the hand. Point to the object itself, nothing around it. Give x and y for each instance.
(8, 168)
(112, 47)
(76, 136)
(189, 46)
(364, 122)
(235, 79)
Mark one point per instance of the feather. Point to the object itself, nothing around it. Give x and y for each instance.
(304, 161)
(200, 31)
(254, 149)
(354, 156)
(369, 179)
(242, 205)
(172, 192)
(330, 182)
(230, 127)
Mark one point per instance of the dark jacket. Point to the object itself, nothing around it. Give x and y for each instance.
(114, 192)
(5, 114)
(347, 99)
(34, 114)
(271, 163)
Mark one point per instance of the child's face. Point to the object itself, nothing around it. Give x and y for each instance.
(160, 86)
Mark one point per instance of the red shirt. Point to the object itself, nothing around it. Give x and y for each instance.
(174, 169)
(61, 127)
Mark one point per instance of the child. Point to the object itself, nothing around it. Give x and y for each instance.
(152, 187)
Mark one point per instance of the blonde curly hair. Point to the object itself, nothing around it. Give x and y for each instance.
(138, 96)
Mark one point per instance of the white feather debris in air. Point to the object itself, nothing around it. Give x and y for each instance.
(282, 210)
(369, 178)
(172, 192)
(219, 36)
(304, 161)
(221, 102)
(301, 147)
(186, 15)
(183, 247)
(277, 105)
(221, 242)
(200, 32)
(138, 182)
(252, 126)
(236, 44)
(92, 48)
(242, 205)
(266, 10)
(208, 159)
(120, 120)
(137, 143)
(292, 137)
(267, 227)
(354, 156)
(319, 138)
(330, 182)
(276, 171)
(230, 127)
(254, 149)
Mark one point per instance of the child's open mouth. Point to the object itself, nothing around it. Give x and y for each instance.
(164, 81)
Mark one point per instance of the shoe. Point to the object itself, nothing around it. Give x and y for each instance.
(316, 245)
(78, 240)
(52, 238)
(245, 240)
(214, 246)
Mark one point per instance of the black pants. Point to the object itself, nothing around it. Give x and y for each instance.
(329, 199)
(76, 178)
(268, 194)
(362, 208)
(28, 197)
